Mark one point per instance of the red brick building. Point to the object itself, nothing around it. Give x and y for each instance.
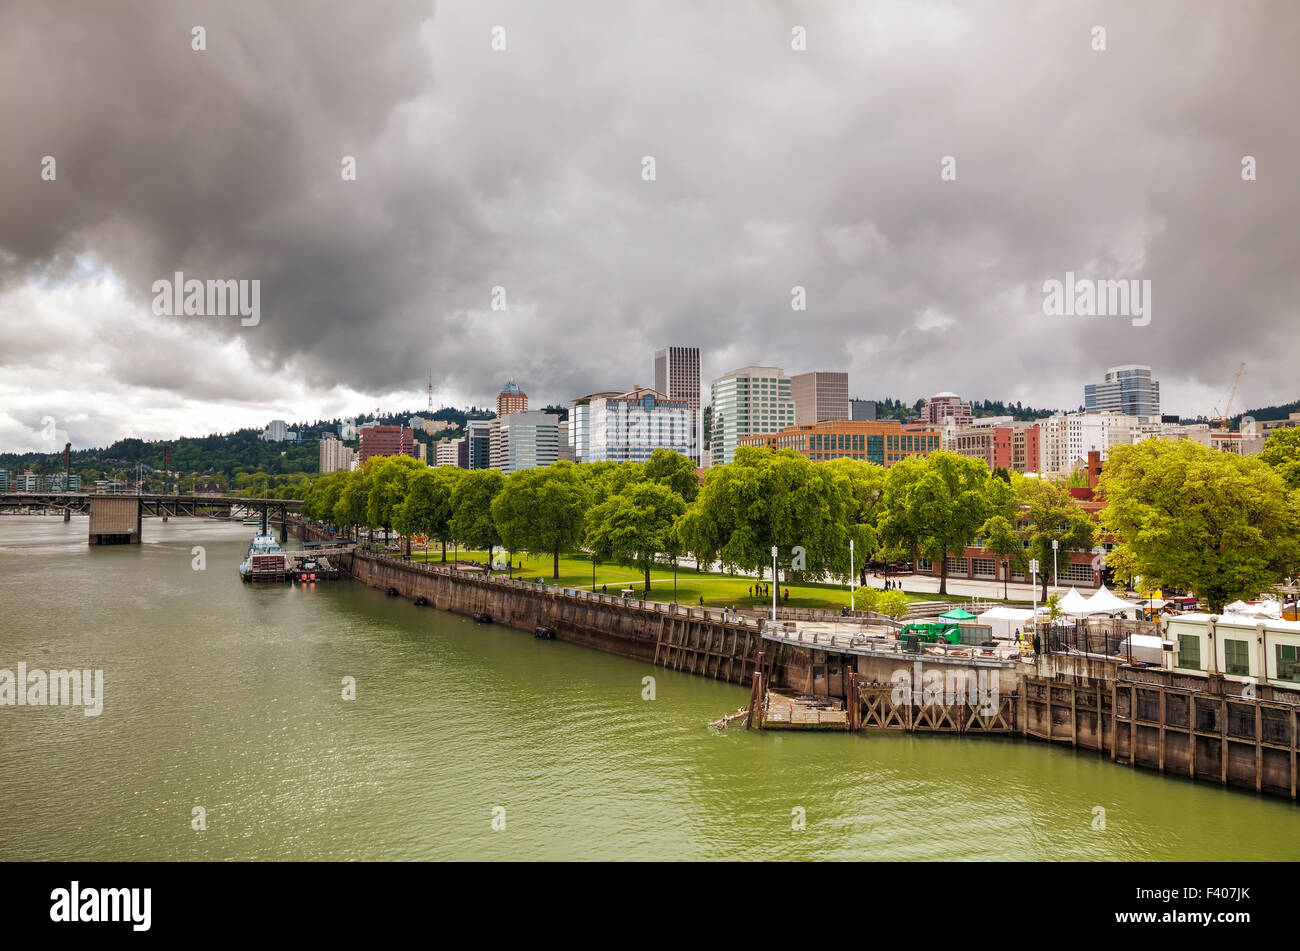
(379, 440)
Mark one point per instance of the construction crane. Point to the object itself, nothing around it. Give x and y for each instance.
(1222, 418)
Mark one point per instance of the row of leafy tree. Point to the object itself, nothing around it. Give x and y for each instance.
(1181, 515)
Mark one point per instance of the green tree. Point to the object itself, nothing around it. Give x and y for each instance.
(675, 471)
(1217, 524)
(769, 499)
(542, 510)
(866, 483)
(322, 495)
(354, 499)
(935, 506)
(892, 603)
(634, 526)
(471, 503)
(1051, 514)
(607, 478)
(1002, 538)
(426, 509)
(388, 481)
(1281, 453)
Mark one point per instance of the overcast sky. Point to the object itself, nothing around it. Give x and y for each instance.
(523, 169)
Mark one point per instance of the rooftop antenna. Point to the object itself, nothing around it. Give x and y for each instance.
(431, 392)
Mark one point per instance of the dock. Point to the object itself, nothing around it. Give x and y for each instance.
(781, 712)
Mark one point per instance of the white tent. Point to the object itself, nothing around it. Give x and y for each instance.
(1075, 604)
(1262, 609)
(1104, 602)
(1006, 621)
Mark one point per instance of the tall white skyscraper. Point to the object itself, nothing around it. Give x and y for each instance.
(746, 402)
(677, 377)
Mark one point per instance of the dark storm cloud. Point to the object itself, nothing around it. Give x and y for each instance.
(775, 168)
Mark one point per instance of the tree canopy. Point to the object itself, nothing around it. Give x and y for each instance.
(1217, 524)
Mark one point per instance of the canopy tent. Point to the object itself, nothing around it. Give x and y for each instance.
(1075, 604)
(1105, 602)
(1006, 621)
(957, 614)
(1264, 609)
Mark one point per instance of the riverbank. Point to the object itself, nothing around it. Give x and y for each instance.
(229, 696)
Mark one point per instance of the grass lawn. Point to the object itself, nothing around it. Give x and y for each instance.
(718, 590)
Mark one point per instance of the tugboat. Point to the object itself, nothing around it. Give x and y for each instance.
(265, 561)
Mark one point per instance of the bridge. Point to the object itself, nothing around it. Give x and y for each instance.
(115, 518)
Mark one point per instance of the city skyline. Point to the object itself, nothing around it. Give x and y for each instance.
(914, 273)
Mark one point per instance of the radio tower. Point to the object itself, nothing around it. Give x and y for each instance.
(431, 392)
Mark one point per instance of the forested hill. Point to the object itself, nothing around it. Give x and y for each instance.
(221, 453)
(889, 408)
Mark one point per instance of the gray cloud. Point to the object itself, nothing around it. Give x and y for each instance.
(775, 167)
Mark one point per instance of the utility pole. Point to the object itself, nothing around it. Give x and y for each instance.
(775, 586)
(1033, 573)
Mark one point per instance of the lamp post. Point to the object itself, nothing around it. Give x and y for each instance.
(1055, 547)
(851, 576)
(1033, 576)
(775, 586)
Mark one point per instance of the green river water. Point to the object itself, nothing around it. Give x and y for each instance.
(228, 696)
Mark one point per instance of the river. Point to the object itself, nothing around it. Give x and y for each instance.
(229, 697)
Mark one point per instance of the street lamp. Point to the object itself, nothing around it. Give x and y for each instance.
(775, 585)
(1033, 576)
(851, 604)
(1055, 546)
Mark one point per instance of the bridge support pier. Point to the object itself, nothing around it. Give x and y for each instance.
(115, 520)
(284, 525)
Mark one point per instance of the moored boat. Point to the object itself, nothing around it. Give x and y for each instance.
(265, 561)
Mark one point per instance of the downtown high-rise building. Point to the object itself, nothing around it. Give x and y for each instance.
(377, 440)
(946, 408)
(334, 456)
(511, 399)
(478, 439)
(862, 410)
(628, 427)
(527, 439)
(821, 396)
(1128, 389)
(746, 402)
(677, 377)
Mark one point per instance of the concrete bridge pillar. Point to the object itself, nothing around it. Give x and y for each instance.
(115, 520)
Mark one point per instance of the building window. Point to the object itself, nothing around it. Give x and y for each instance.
(924, 564)
(1288, 662)
(1189, 652)
(1236, 657)
(1077, 572)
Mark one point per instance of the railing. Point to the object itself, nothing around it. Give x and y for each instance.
(568, 593)
(880, 641)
